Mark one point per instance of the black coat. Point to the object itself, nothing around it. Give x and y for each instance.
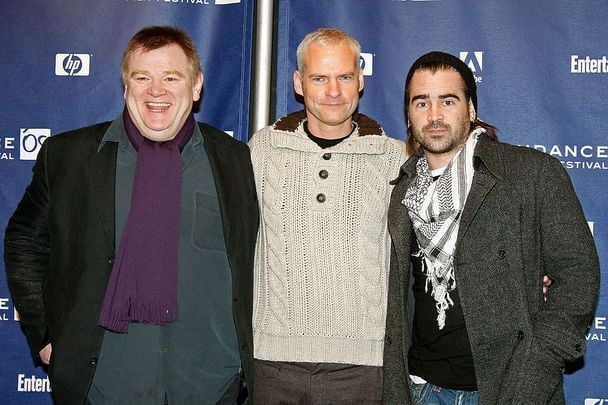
(522, 220)
(59, 248)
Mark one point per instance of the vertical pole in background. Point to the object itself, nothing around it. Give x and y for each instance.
(262, 66)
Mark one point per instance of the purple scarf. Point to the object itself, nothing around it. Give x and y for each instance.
(143, 283)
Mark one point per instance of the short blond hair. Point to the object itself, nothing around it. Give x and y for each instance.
(327, 36)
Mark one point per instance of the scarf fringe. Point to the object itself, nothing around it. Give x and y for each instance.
(440, 285)
(148, 312)
(434, 209)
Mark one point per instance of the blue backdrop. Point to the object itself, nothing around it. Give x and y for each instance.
(542, 74)
(60, 68)
(541, 67)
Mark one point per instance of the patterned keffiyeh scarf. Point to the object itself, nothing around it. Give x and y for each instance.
(435, 208)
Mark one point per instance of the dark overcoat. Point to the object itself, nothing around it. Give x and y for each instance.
(521, 221)
(59, 248)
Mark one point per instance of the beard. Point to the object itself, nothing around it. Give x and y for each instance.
(453, 138)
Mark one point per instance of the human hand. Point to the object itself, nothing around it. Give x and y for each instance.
(45, 354)
(546, 283)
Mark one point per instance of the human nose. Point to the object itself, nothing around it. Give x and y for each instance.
(333, 88)
(157, 88)
(434, 113)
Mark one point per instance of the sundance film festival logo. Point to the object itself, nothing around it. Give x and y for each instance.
(366, 61)
(31, 140)
(474, 60)
(72, 64)
(587, 157)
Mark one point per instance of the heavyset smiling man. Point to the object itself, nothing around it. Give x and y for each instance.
(130, 255)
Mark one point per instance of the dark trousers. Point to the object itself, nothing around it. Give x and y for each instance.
(291, 383)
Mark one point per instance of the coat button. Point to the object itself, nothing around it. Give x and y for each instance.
(92, 361)
(387, 340)
(578, 347)
(321, 197)
(520, 335)
(323, 174)
(327, 156)
(111, 260)
(501, 254)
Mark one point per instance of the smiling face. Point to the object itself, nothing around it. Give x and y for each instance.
(160, 91)
(439, 114)
(330, 82)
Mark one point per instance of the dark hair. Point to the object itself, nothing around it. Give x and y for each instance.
(433, 62)
(154, 37)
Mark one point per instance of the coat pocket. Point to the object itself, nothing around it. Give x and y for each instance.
(208, 231)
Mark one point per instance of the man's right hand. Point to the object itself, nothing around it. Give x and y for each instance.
(45, 354)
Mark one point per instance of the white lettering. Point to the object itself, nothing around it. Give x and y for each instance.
(188, 1)
(7, 143)
(586, 154)
(600, 322)
(33, 384)
(3, 303)
(588, 64)
(586, 151)
(555, 151)
(599, 337)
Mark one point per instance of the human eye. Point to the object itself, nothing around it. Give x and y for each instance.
(420, 104)
(171, 79)
(317, 79)
(140, 78)
(346, 78)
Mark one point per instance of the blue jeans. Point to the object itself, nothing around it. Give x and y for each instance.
(429, 394)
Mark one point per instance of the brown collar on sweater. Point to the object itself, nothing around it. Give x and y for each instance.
(291, 122)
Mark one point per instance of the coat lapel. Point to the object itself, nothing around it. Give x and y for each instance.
(102, 172)
(221, 174)
(488, 171)
(399, 225)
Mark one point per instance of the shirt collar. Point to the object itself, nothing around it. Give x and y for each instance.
(116, 133)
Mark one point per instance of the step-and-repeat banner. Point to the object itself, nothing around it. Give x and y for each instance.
(542, 73)
(60, 68)
(541, 67)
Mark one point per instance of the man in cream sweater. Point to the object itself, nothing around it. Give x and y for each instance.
(322, 257)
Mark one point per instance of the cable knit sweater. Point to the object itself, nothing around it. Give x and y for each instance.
(322, 254)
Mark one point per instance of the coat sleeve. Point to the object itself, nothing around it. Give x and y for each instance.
(26, 254)
(568, 255)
